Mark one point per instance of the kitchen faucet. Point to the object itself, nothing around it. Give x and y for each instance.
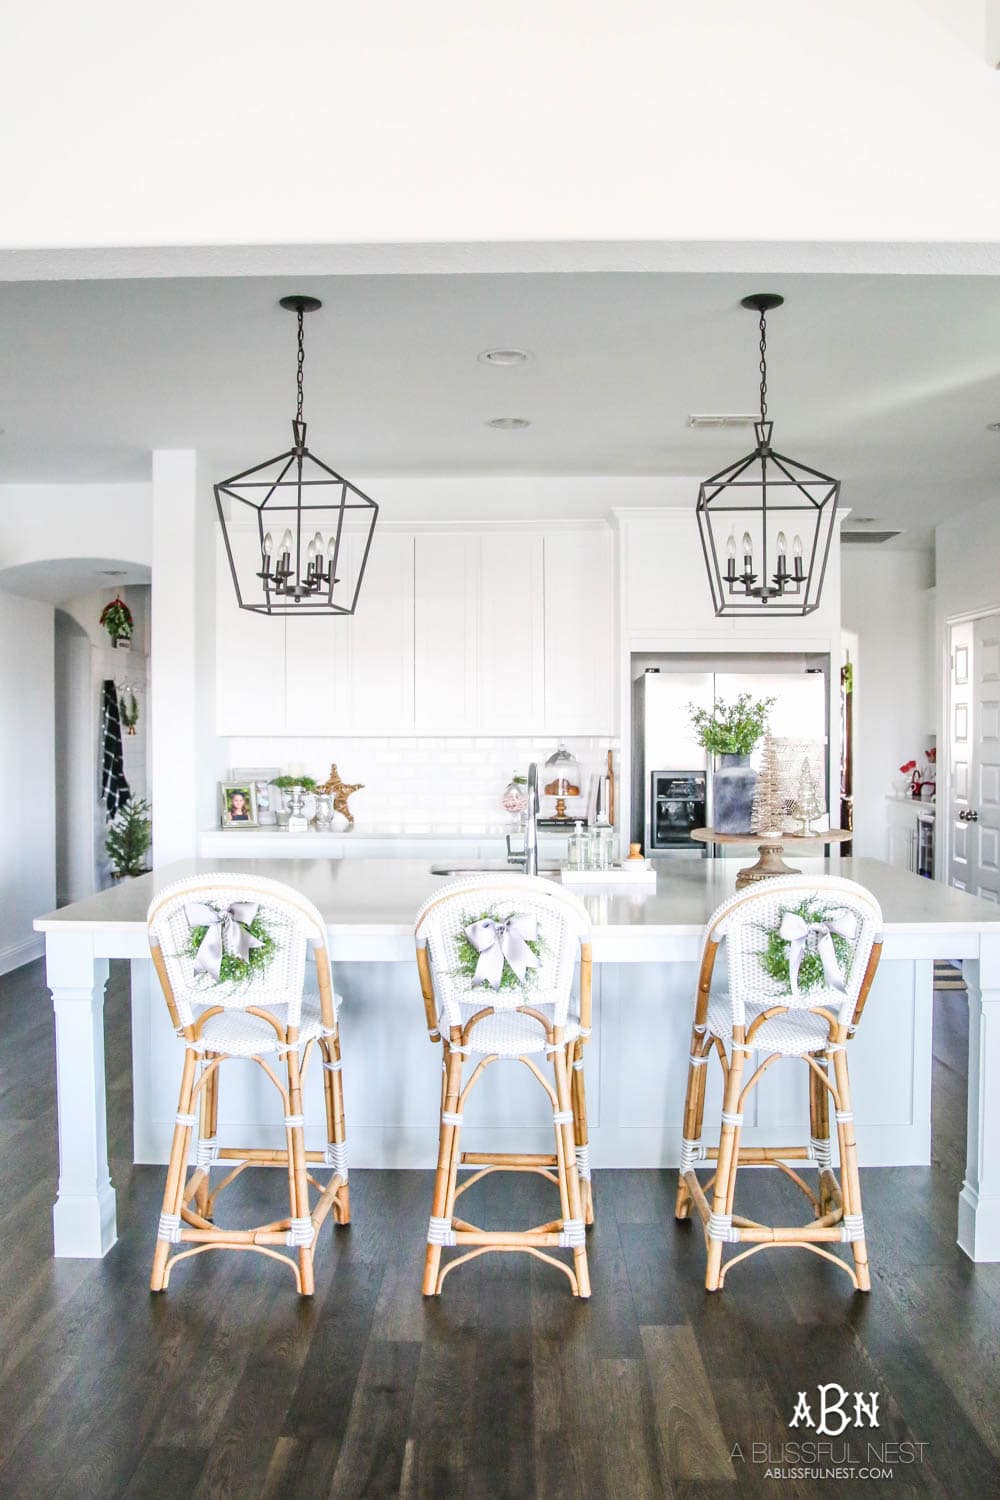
(531, 824)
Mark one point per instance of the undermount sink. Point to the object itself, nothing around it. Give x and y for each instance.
(489, 867)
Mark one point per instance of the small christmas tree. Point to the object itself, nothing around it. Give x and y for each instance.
(129, 838)
(807, 802)
(768, 810)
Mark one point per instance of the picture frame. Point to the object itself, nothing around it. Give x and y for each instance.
(269, 799)
(238, 804)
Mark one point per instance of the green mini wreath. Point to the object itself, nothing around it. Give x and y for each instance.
(468, 957)
(233, 969)
(774, 958)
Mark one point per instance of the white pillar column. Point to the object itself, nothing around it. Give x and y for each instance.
(979, 1201)
(83, 1218)
(184, 767)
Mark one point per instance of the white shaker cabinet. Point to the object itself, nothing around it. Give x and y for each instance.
(379, 640)
(511, 684)
(446, 575)
(579, 647)
(249, 649)
(666, 588)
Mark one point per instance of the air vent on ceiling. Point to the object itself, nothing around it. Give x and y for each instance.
(722, 419)
(867, 536)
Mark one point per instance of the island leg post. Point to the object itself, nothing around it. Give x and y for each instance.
(83, 1218)
(979, 1201)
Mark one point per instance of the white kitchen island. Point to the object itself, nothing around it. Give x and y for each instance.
(646, 949)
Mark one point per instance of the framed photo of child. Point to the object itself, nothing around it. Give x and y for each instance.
(238, 804)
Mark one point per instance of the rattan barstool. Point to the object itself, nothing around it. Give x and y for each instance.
(526, 1019)
(261, 1015)
(774, 1018)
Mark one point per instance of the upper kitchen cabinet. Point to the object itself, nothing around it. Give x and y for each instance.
(249, 649)
(511, 688)
(379, 640)
(446, 572)
(579, 632)
(665, 589)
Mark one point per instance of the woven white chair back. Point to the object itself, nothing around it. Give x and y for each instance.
(554, 920)
(292, 926)
(849, 912)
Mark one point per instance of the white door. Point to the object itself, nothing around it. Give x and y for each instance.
(984, 817)
(960, 755)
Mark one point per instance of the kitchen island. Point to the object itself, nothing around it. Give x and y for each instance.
(646, 950)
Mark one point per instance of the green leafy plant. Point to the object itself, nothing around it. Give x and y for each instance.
(285, 783)
(468, 956)
(128, 712)
(774, 958)
(116, 618)
(232, 968)
(733, 728)
(129, 837)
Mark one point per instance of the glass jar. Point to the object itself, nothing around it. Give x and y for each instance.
(515, 796)
(562, 780)
(577, 853)
(596, 851)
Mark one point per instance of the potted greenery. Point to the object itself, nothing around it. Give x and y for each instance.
(730, 732)
(128, 840)
(294, 789)
(116, 618)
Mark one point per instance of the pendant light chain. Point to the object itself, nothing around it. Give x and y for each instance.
(299, 367)
(763, 366)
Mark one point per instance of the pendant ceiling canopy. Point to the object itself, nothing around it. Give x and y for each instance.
(766, 521)
(297, 533)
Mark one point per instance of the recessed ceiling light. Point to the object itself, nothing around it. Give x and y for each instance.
(503, 357)
(863, 520)
(509, 424)
(993, 427)
(112, 572)
(722, 419)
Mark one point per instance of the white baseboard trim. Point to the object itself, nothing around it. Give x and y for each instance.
(16, 954)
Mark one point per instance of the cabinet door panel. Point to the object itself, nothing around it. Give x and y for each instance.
(316, 675)
(446, 570)
(511, 633)
(380, 639)
(579, 648)
(666, 586)
(249, 649)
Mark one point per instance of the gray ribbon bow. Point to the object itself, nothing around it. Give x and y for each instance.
(795, 930)
(500, 942)
(227, 933)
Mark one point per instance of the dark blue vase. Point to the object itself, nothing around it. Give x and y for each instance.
(733, 785)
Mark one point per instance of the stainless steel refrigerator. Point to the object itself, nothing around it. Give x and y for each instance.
(671, 780)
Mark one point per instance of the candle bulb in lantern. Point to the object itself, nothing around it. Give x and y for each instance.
(782, 545)
(731, 559)
(747, 553)
(797, 557)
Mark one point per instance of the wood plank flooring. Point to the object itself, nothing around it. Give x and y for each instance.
(230, 1386)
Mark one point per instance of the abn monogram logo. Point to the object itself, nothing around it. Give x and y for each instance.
(835, 1412)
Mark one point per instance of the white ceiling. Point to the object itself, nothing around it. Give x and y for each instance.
(886, 381)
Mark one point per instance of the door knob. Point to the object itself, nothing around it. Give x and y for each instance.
(963, 815)
(973, 817)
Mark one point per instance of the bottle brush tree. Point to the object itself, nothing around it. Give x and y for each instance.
(129, 838)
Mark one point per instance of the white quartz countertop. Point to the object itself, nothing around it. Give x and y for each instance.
(372, 897)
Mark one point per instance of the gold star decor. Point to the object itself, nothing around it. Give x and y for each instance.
(340, 791)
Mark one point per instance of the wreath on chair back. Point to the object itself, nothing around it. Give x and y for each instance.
(811, 947)
(499, 953)
(229, 944)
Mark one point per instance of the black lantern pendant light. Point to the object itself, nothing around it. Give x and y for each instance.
(748, 512)
(299, 537)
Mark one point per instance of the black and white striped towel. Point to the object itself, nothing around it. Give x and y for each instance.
(114, 788)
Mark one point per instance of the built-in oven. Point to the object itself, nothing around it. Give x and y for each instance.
(677, 804)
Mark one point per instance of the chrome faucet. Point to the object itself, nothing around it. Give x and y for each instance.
(531, 823)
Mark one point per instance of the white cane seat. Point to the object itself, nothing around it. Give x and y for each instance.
(792, 1035)
(237, 1033)
(507, 1033)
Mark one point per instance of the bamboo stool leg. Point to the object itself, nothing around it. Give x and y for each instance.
(569, 1180)
(581, 1134)
(298, 1194)
(336, 1131)
(173, 1192)
(850, 1180)
(209, 1116)
(819, 1130)
(448, 1150)
(726, 1168)
(694, 1111)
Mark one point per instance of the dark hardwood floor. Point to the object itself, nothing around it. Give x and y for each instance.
(231, 1386)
